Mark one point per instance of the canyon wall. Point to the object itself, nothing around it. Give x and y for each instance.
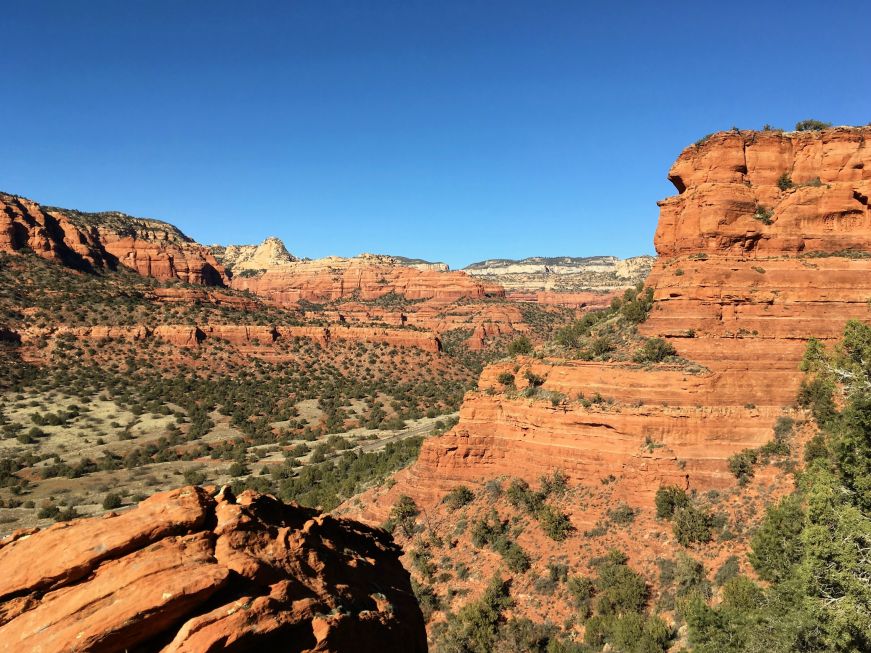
(587, 300)
(94, 241)
(187, 571)
(484, 320)
(236, 334)
(767, 244)
(364, 278)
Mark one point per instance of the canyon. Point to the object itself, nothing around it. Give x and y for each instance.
(765, 246)
(296, 366)
(373, 291)
(403, 327)
(734, 294)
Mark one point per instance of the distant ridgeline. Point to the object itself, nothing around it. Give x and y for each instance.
(564, 273)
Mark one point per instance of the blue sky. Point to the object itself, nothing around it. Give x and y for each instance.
(453, 131)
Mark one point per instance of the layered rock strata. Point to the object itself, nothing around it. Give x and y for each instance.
(767, 244)
(189, 572)
(484, 320)
(586, 300)
(93, 241)
(563, 274)
(236, 334)
(185, 295)
(362, 278)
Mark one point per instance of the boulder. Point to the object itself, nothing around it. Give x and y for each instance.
(188, 571)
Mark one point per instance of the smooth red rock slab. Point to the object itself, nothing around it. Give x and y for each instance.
(248, 621)
(68, 551)
(189, 571)
(126, 602)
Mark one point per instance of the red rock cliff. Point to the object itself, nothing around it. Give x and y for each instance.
(236, 334)
(89, 241)
(748, 270)
(733, 176)
(330, 279)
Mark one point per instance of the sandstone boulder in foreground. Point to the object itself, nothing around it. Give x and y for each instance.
(188, 572)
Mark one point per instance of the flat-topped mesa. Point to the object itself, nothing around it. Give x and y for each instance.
(416, 263)
(736, 294)
(366, 278)
(190, 571)
(563, 274)
(94, 241)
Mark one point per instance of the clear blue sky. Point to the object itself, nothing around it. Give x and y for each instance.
(455, 131)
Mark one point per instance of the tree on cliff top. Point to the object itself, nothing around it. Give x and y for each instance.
(811, 125)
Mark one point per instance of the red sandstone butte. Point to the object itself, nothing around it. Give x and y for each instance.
(185, 571)
(736, 294)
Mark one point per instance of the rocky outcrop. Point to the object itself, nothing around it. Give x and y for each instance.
(421, 264)
(484, 320)
(94, 241)
(240, 335)
(767, 244)
(31, 335)
(253, 258)
(396, 337)
(731, 204)
(737, 290)
(179, 335)
(186, 571)
(653, 428)
(366, 278)
(587, 300)
(185, 295)
(24, 224)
